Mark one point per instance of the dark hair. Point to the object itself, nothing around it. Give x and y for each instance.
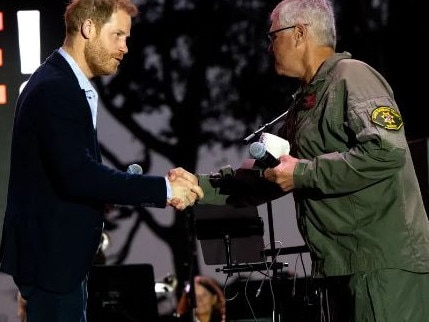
(99, 11)
(219, 310)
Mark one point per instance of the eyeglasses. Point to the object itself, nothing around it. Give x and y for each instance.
(272, 34)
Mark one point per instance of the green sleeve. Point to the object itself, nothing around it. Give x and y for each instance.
(239, 187)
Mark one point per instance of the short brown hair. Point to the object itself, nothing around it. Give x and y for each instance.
(99, 11)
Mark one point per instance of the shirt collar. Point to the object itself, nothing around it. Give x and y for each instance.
(84, 82)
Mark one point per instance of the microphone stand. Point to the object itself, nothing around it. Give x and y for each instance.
(191, 314)
(276, 312)
(250, 137)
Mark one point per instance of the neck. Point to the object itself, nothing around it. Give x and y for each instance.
(76, 49)
(203, 318)
(317, 58)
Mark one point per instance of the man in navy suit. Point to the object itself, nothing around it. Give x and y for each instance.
(58, 186)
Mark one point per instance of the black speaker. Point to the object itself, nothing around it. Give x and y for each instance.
(124, 293)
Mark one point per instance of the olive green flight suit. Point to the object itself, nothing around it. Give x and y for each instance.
(358, 203)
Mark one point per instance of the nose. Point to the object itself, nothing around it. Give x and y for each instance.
(123, 47)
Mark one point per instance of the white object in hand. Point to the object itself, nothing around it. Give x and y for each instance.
(275, 145)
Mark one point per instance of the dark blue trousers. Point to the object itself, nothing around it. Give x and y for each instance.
(44, 306)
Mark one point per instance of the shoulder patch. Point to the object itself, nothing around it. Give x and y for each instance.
(387, 117)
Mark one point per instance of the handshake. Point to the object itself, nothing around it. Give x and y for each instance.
(185, 188)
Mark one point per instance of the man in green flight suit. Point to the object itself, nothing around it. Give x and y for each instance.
(358, 203)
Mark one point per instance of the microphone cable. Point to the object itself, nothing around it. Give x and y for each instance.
(258, 292)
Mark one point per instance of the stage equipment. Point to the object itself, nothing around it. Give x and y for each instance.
(232, 236)
(123, 293)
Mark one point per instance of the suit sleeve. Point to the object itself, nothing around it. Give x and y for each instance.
(64, 130)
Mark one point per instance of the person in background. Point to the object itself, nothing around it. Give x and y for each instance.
(58, 186)
(358, 203)
(210, 301)
(21, 308)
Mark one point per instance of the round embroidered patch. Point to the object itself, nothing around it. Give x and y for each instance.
(387, 117)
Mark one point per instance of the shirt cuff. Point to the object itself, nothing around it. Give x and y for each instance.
(169, 190)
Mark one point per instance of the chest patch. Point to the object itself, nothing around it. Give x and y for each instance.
(387, 117)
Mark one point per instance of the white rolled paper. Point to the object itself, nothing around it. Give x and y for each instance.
(275, 145)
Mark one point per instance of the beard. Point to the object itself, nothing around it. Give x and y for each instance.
(99, 59)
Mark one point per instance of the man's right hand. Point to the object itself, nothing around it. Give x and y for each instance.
(185, 188)
(283, 173)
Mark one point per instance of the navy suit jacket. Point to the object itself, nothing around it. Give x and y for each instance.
(58, 186)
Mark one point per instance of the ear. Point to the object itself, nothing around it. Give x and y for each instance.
(300, 33)
(86, 28)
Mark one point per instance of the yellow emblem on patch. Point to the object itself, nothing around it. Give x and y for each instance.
(387, 117)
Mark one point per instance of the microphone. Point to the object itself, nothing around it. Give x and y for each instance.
(259, 152)
(134, 169)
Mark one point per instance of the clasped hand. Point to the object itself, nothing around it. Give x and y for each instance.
(185, 188)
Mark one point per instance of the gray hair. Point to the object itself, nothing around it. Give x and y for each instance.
(318, 14)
